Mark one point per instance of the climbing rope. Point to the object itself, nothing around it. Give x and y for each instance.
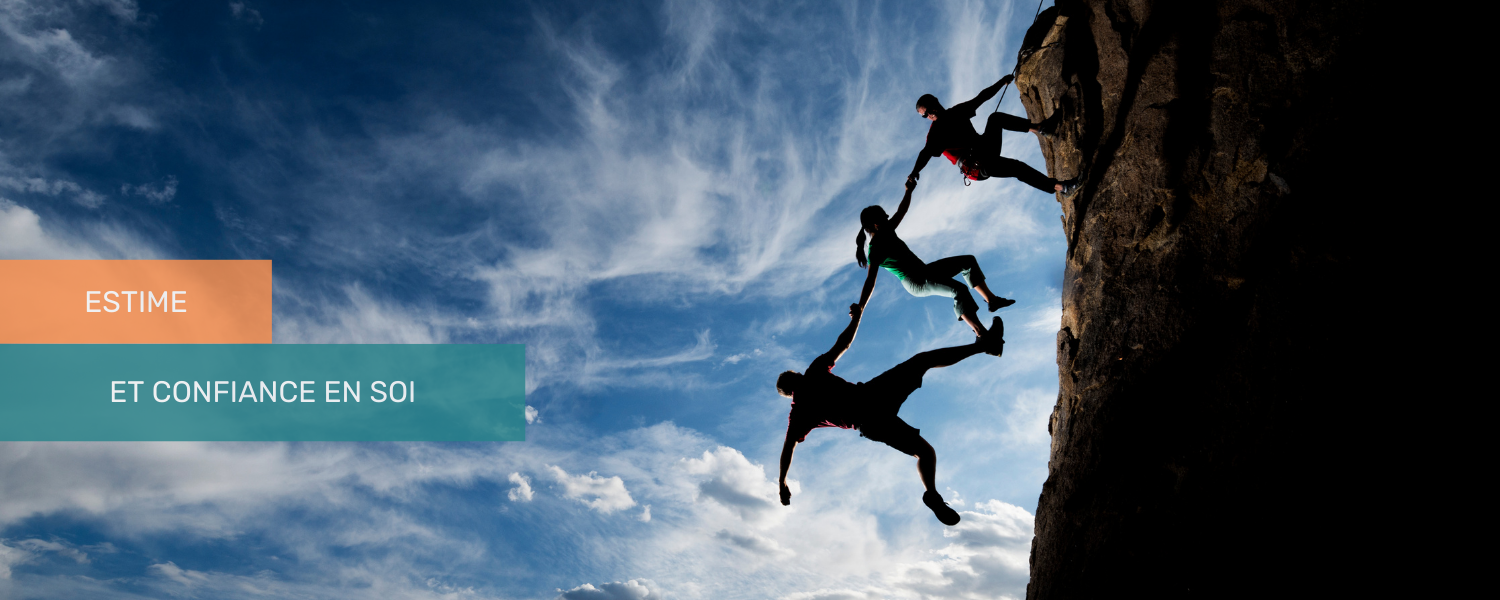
(1019, 60)
(1013, 73)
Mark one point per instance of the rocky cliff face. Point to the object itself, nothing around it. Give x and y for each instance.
(1211, 309)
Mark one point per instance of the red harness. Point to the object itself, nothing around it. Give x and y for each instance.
(966, 166)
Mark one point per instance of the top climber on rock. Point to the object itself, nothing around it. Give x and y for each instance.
(952, 135)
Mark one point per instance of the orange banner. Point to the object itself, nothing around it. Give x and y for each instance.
(135, 301)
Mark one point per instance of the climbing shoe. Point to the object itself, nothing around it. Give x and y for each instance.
(934, 501)
(999, 303)
(994, 339)
(1072, 186)
(1048, 127)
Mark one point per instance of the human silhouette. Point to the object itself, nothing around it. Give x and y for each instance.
(978, 156)
(887, 251)
(822, 399)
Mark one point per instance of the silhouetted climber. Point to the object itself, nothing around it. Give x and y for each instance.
(822, 399)
(978, 156)
(920, 279)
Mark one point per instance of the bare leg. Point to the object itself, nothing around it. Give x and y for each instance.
(992, 301)
(973, 320)
(984, 292)
(927, 466)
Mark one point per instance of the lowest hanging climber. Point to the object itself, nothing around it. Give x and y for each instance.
(822, 399)
(952, 135)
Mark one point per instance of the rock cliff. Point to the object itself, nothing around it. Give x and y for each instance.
(1212, 314)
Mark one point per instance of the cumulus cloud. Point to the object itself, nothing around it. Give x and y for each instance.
(734, 483)
(522, 492)
(370, 497)
(989, 557)
(603, 494)
(532, 416)
(634, 589)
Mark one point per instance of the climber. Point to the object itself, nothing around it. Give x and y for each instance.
(822, 399)
(920, 279)
(978, 156)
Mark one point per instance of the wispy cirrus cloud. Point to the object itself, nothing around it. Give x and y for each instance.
(23, 235)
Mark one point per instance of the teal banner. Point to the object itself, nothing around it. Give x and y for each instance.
(262, 392)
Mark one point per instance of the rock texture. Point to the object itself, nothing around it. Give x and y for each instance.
(1213, 314)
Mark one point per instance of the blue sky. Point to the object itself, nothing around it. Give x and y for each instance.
(658, 199)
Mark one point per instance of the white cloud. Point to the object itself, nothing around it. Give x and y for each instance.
(702, 350)
(50, 187)
(161, 194)
(170, 570)
(634, 589)
(57, 50)
(1026, 421)
(532, 416)
(137, 117)
(837, 595)
(753, 543)
(735, 483)
(699, 542)
(38, 185)
(1047, 319)
(355, 318)
(10, 557)
(603, 494)
(38, 546)
(522, 492)
(23, 236)
(17, 86)
(989, 557)
(246, 14)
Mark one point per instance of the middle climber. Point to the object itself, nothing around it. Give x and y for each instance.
(887, 251)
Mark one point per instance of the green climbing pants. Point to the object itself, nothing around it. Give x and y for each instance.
(936, 279)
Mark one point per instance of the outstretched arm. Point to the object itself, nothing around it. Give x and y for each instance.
(864, 294)
(984, 96)
(847, 337)
(786, 463)
(911, 184)
(916, 170)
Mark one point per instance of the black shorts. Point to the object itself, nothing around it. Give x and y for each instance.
(888, 390)
(894, 432)
(884, 396)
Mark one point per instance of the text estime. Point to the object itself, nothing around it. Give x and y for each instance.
(149, 302)
(301, 391)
